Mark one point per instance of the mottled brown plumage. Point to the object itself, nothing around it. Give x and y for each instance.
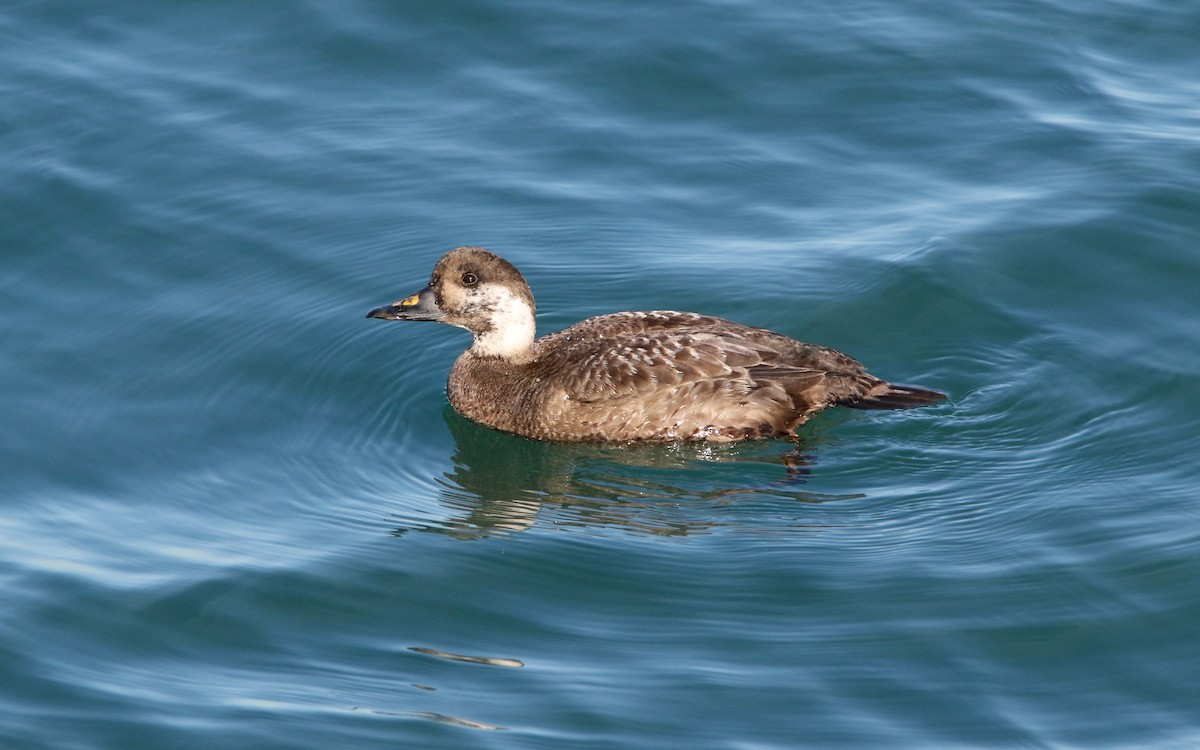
(658, 375)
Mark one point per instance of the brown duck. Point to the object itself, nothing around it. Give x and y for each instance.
(660, 375)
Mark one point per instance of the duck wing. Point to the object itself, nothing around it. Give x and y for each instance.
(642, 353)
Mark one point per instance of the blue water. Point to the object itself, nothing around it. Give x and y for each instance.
(236, 514)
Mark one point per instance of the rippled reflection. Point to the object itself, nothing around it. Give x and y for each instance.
(457, 721)
(503, 484)
(491, 661)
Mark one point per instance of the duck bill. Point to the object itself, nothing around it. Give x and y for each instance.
(420, 306)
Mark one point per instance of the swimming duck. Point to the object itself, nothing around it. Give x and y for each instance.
(630, 376)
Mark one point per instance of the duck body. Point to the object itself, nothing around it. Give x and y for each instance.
(630, 376)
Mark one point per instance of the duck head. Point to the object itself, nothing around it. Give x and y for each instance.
(477, 290)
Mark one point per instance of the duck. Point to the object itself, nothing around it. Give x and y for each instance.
(629, 377)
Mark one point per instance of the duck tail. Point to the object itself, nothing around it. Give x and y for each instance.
(897, 396)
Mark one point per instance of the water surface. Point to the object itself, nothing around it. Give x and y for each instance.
(234, 513)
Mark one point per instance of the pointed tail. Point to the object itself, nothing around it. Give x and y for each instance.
(897, 396)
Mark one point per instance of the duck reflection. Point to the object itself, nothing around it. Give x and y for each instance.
(503, 483)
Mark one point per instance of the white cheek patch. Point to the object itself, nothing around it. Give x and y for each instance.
(512, 323)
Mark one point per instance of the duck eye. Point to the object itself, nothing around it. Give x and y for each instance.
(469, 279)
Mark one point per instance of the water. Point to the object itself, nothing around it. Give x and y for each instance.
(234, 513)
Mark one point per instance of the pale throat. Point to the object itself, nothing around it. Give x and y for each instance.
(512, 326)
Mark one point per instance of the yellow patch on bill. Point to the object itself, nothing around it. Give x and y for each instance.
(410, 301)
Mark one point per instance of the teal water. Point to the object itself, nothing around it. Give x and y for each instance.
(234, 513)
